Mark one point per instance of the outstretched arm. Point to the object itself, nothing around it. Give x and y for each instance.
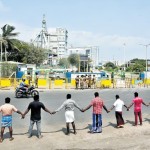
(88, 107)
(111, 108)
(19, 112)
(48, 110)
(105, 108)
(61, 107)
(145, 104)
(27, 110)
(77, 106)
(125, 106)
(130, 105)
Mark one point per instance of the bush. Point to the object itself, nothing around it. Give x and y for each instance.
(7, 69)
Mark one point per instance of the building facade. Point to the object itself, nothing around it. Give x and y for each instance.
(91, 52)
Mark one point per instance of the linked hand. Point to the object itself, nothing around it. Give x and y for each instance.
(108, 111)
(23, 116)
(53, 112)
(82, 110)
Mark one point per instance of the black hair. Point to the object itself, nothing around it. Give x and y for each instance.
(36, 97)
(117, 96)
(7, 100)
(68, 96)
(136, 94)
(23, 80)
(96, 94)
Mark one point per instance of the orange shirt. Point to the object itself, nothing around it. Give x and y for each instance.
(7, 109)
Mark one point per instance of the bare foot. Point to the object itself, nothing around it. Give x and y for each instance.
(1, 140)
(67, 133)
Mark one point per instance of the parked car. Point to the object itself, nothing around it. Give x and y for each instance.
(57, 75)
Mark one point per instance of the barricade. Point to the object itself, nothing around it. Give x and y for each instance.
(105, 83)
(64, 84)
(5, 82)
(59, 84)
(43, 83)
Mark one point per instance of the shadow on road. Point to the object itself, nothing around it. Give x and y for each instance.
(64, 130)
(146, 120)
(110, 124)
(130, 122)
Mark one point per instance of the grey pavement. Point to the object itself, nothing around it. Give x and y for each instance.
(54, 98)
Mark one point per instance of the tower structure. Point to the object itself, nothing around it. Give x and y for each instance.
(42, 39)
(54, 43)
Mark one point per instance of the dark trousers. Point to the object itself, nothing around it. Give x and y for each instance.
(119, 118)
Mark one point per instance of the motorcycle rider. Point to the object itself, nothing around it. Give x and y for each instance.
(23, 85)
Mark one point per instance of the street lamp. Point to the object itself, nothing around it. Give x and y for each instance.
(146, 46)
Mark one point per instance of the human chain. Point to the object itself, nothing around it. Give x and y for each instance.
(97, 104)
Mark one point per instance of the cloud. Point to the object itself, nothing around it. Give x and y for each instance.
(3, 8)
(110, 46)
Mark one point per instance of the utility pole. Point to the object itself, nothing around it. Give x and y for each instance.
(146, 46)
(1, 50)
(124, 57)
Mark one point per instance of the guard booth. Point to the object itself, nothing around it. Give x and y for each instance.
(24, 70)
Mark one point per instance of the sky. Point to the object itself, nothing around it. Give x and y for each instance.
(117, 27)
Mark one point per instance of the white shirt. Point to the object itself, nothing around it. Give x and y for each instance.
(69, 105)
(118, 105)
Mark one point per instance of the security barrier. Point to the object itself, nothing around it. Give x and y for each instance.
(65, 84)
(4, 82)
(105, 83)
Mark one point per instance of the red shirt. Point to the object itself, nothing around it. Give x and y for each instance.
(97, 104)
(137, 104)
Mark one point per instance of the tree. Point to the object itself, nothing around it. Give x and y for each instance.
(74, 60)
(32, 54)
(136, 65)
(64, 62)
(7, 39)
(110, 66)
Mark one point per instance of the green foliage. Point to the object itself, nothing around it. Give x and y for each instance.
(18, 50)
(64, 63)
(7, 69)
(32, 54)
(7, 39)
(74, 60)
(136, 65)
(110, 66)
(27, 53)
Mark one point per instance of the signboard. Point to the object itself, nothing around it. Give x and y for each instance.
(83, 57)
(148, 65)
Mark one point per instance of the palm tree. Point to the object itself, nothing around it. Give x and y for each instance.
(7, 39)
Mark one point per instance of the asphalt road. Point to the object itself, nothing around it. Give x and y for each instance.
(53, 99)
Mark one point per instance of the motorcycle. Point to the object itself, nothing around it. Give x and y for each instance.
(23, 93)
